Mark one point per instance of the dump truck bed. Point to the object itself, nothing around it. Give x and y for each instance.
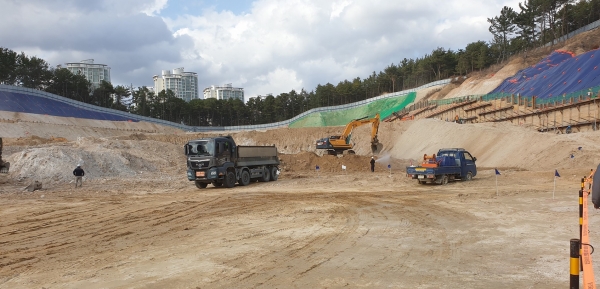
(257, 155)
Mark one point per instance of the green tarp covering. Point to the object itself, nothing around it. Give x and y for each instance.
(385, 107)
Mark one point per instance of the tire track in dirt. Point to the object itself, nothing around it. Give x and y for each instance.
(438, 228)
(286, 259)
(110, 222)
(117, 226)
(298, 260)
(265, 235)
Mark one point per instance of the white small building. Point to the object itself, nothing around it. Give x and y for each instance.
(262, 97)
(183, 84)
(224, 92)
(93, 72)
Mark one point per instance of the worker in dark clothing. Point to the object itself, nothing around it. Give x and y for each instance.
(596, 188)
(78, 173)
(372, 164)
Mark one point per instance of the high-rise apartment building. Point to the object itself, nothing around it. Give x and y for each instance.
(224, 92)
(183, 84)
(93, 72)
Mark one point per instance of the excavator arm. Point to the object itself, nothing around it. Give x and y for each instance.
(375, 145)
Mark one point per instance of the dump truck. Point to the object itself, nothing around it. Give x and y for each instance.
(448, 164)
(4, 166)
(337, 144)
(220, 162)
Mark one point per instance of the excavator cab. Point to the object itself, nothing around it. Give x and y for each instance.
(4, 166)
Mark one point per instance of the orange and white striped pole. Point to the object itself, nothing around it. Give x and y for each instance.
(585, 252)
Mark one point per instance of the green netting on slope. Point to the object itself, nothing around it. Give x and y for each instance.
(400, 103)
(385, 107)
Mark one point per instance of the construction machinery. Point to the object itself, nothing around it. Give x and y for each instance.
(337, 144)
(219, 161)
(4, 166)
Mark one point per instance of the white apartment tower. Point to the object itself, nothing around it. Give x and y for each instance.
(93, 72)
(224, 92)
(183, 84)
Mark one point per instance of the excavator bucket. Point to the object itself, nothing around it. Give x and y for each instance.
(4, 166)
(376, 147)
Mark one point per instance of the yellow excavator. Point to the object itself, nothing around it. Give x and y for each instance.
(4, 166)
(337, 144)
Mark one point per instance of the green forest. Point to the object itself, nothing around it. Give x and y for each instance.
(536, 23)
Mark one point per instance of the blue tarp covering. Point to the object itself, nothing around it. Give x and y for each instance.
(558, 74)
(19, 102)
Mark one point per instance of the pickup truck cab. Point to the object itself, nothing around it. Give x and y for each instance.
(447, 165)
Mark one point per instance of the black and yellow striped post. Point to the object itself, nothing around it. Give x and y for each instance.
(574, 264)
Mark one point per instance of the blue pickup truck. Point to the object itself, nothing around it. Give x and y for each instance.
(449, 164)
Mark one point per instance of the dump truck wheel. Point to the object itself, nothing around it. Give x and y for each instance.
(229, 179)
(217, 183)
(266, 175)
(245, 178)
(201, 185)
(274, 175)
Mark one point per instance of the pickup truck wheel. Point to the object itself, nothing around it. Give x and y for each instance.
(217, 183)
(469, 176)
(201, 185)
(245, 178)
(274, 175)
(444, 179)
(229, 179)
(266, 175)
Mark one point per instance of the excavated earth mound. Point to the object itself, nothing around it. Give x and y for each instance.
(496, 145)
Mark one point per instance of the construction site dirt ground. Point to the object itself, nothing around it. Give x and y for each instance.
(137, 222)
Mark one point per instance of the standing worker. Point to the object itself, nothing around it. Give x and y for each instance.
(372, 164)
(78, 173)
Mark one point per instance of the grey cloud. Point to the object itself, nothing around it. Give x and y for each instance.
(140, 65)
(91, 32)
(135, 45)
(307, 41)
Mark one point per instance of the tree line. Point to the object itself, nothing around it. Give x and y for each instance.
(536, 23)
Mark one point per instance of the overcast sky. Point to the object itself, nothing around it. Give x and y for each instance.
(263, 46)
